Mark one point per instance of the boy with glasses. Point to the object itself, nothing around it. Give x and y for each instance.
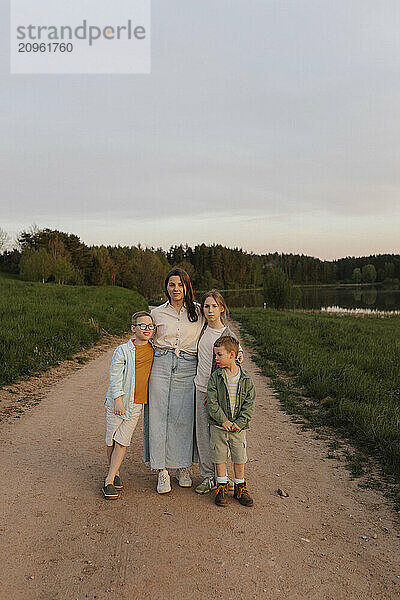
(127, 392)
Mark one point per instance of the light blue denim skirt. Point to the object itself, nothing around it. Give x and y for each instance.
(169, 417)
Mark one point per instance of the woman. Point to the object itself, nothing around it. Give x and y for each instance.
(168, 432)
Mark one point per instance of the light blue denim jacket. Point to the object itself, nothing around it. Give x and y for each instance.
(122, 378)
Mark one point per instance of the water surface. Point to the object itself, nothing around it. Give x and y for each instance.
(316, 297)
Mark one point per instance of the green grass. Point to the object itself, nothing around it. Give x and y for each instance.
(43, 324)
(349, 366)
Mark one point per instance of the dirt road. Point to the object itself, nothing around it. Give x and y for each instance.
(62, 541)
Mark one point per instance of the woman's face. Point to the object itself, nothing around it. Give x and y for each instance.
(176, 289)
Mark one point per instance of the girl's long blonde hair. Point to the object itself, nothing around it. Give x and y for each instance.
(219, 299)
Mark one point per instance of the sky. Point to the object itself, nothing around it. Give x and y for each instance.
(271, 125)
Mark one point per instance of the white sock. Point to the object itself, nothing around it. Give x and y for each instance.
(222, 479)
(239, 481)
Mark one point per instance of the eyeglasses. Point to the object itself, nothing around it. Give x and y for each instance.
(143, 327)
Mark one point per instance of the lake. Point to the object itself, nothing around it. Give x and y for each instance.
(374, 297)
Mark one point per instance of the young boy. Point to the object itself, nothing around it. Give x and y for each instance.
(230, 404)
(128, 391)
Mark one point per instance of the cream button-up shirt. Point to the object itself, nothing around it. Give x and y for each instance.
(174, 330)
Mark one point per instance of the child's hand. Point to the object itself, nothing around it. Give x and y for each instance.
(235, 427)
(227, 425)
(239, 358)
(119, 408)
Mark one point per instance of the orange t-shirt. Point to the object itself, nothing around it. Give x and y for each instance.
(143, 360)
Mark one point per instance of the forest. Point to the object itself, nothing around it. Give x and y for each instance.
(51, 255)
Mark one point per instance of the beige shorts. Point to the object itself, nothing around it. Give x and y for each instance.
(121, 430)
(221, 442)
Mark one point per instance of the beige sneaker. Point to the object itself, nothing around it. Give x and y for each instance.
(183, 477)
(164, 482)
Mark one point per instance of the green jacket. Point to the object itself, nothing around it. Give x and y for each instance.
(218, 405)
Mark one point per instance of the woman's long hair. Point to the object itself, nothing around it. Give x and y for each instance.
(188, 297)
(219, 299)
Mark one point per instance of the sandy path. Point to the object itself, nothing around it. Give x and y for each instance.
(62, 540)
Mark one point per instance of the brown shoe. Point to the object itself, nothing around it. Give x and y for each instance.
(242, 494)
(221, 496)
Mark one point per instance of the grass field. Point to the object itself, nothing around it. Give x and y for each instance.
(43, 324)
(350, 367)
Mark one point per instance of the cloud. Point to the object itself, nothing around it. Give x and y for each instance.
(259, 122)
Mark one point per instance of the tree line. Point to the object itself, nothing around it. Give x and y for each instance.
(52, 255)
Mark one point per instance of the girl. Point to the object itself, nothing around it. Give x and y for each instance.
(215, 311)
(168, 429)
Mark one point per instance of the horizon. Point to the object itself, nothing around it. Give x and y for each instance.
(14, 245)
